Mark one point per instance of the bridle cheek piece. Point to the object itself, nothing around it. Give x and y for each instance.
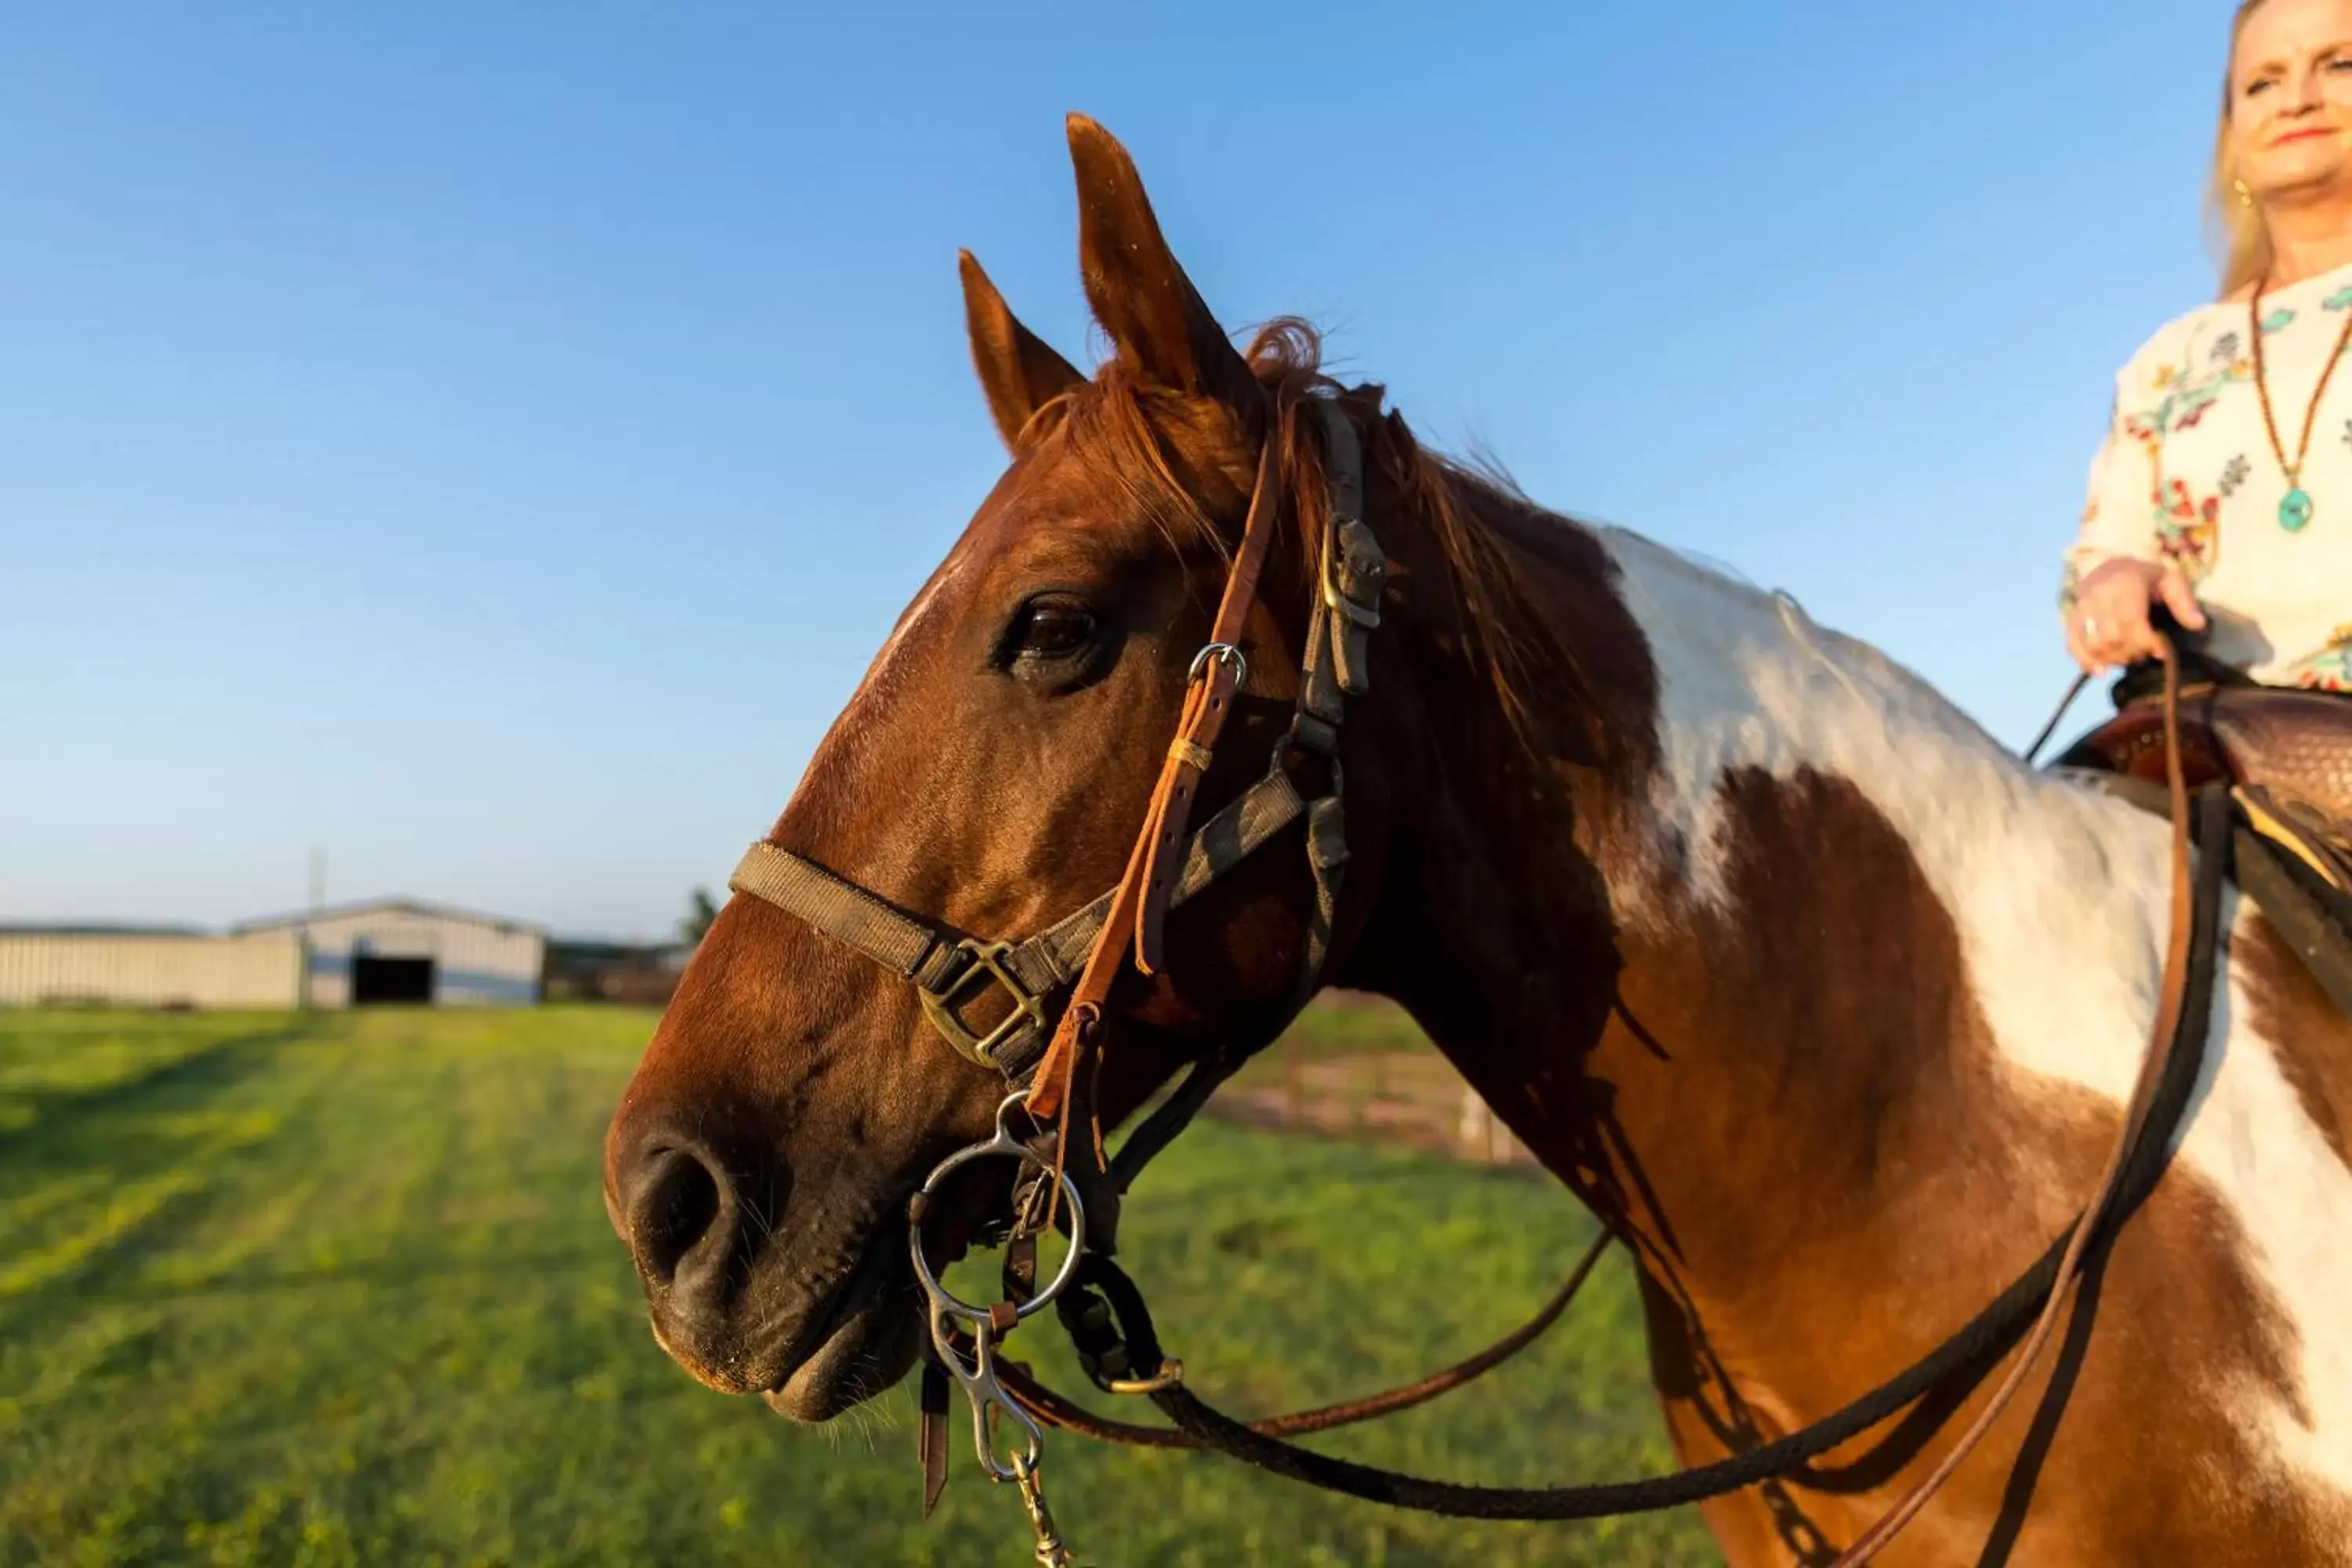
(1082, 955)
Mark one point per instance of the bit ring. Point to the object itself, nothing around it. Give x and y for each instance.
(1003, 1146)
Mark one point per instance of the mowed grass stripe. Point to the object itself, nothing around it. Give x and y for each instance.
(126, 1145)
(377, 1316)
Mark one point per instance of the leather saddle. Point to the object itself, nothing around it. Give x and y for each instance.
(2285, 755)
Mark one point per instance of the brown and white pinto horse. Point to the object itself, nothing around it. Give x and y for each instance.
(1773, 956)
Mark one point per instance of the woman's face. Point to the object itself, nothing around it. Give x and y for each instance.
(2290, 96)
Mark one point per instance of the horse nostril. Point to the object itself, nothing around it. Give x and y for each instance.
(679, 1194)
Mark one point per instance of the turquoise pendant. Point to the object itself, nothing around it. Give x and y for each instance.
(2295, 511)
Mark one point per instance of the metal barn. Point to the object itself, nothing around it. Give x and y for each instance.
(399, 950)
(119, 968)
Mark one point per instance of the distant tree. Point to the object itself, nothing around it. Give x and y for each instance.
(699, 912)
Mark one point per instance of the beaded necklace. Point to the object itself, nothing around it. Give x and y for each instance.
(2294, 508)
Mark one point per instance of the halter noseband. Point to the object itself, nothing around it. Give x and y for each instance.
(949, 970)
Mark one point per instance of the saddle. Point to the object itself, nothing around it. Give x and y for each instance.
(2285, 756)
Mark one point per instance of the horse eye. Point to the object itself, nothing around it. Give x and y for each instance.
(1054, 628)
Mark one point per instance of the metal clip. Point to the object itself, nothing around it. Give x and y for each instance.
(1052, 1551)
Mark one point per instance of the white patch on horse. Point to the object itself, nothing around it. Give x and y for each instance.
(2059, 895)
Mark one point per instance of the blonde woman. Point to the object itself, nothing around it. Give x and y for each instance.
(2223, 491)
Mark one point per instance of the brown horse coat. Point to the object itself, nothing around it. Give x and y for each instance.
(1765, 950)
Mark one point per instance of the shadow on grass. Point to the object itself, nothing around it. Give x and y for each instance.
(62, 1119)
(399, 1272)
(127, 1155)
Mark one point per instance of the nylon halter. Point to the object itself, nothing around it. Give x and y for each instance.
(1083, 952)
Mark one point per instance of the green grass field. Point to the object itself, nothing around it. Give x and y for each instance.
(341, 1290)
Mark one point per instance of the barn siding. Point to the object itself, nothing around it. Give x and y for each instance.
(477, 963)
(150, 971)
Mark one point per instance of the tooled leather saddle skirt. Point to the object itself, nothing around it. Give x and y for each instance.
(2285, 753)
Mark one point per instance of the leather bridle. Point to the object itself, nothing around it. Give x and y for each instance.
(1085, 953)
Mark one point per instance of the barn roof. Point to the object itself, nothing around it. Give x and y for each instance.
(397, 905)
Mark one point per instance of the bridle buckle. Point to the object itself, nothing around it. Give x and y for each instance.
(988, 961)
(1223, 653)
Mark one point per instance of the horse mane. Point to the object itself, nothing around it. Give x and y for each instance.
(1496, 543)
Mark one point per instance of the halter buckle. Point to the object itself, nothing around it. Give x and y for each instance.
(1354, 570)
(989, 961)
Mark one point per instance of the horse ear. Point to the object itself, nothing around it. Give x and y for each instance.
(1019, 371)
(1155, 319)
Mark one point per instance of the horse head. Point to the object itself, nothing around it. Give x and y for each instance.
(988, 776)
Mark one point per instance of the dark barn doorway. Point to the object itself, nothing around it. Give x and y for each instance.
(375, 980)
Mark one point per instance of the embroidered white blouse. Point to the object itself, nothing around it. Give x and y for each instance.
(2188, 475)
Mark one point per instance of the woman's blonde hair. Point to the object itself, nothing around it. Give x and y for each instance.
(2240, 234)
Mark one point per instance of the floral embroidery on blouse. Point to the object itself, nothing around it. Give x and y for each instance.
(2187, 526)
(2070, 587)
(2188, 458)
(2185, 402)
(2188, 530)
(2329, 670)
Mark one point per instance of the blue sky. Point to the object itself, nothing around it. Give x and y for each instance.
(490, 442)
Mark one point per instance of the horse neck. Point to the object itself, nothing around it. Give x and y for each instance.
(1729, 1001)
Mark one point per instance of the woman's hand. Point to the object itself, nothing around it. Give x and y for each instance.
(2109, 624)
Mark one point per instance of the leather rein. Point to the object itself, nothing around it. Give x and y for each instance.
(1084, 954)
